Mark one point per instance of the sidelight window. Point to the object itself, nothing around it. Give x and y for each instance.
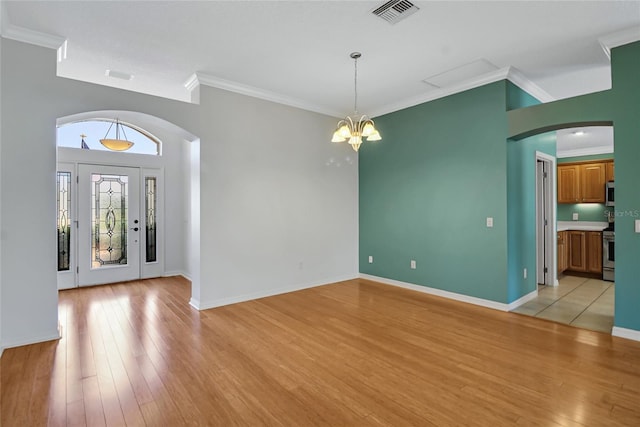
(64, 219)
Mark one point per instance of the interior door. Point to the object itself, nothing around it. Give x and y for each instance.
(108, 224)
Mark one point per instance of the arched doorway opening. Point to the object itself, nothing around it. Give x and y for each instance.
(113, 221)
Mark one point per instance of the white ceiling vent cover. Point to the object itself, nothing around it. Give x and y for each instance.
(395, 11)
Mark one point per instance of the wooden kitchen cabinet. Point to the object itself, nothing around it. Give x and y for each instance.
(594, 255)
(578, 251)
(609, 171)
(584, 251)
(592, 180)
(568, 183)
(582, 182)
(563, 251)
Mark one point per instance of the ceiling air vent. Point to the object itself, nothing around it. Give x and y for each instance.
(395, 11)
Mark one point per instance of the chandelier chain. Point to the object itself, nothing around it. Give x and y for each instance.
(355, 86)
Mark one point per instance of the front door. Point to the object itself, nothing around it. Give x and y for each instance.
(108, 224)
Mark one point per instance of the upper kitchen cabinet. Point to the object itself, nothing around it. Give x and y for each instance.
(568, 183)
(593, 180)
(582, 182)
(610, 171)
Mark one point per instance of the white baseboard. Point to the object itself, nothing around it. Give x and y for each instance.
(266, 293)
(176, 273)
(523, 300)
(195, 303)
(630, 334)
(441, 293)
(32, 340)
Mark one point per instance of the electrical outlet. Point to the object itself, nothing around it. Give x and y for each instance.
(489, 221)
(575, 216)
(525, 273)
(370, 259)
(413, 264)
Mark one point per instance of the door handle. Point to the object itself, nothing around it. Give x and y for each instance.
(134, 229)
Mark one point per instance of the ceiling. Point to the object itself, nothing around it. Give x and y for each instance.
(584, 141)
(297, 52)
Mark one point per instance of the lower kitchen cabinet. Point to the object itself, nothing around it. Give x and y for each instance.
(563, 251)
(577, 250)
(594, 256)
(582, 250)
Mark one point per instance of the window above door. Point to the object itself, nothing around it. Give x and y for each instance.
(86, 134)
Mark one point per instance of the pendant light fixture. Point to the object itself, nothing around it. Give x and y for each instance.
(354, 128)
(116, 144)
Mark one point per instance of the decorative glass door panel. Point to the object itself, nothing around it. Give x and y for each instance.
(109, 226)
(109, 197)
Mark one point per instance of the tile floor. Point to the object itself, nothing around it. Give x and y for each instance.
(577, 301)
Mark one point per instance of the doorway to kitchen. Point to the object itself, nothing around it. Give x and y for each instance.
(583, 294)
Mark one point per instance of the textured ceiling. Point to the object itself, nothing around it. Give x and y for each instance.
(299, 50)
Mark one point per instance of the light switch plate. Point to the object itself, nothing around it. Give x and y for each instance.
(489, 221)
(413, 264)
(370, 259)
(637, 225)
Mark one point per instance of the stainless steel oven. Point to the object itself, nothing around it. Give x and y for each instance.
(608, 255)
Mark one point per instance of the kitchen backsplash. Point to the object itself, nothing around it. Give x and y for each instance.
(585, 211)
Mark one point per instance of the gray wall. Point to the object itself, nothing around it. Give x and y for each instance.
(274, 212)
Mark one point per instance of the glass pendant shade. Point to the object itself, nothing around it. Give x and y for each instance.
(116, 144)
(375, 136)
(355, 142)
(344, 131)
(337, 137)
(368, 129)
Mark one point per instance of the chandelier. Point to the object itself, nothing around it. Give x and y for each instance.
(354, 128)
(116, 144)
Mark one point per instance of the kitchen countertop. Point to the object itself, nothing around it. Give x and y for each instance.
(582, 225)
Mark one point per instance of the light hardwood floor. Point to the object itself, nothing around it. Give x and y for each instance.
(354, 353)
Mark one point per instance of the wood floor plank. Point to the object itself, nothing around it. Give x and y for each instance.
(354, 353)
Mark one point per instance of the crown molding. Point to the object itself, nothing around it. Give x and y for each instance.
(231, 86)
(516, 77)
(25, 35)
(507, 73)
(619, 38)
(192, 82)
(603, 149)
(432, 95)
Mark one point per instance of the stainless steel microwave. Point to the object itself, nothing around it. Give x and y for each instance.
(609, 192)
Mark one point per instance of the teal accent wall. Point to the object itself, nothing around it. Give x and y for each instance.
(585, 211)
(521, 210)
(619, 106)
(625, 66)
(427, 188)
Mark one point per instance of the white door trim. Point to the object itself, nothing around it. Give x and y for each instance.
(550, 209)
